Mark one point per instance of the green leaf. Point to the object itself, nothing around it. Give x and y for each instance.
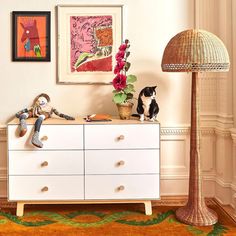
(37, 51)
(129, 88)
(114, 91)
(131, 79)
(82, 58)
(119, 97)
(127, 54)
(130, 96)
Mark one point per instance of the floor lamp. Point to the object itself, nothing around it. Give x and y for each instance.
(195, 51)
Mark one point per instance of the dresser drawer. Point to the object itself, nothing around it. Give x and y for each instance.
(136, 136)
(46, 162)
(54, 136)
(34, 187)
(122, 161)
(121, 187)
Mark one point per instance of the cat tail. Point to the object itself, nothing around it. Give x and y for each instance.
(135, 115)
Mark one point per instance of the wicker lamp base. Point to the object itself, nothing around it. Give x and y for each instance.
(195, 212)
(202, 216)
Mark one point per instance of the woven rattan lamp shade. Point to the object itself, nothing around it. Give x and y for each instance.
(195, 50)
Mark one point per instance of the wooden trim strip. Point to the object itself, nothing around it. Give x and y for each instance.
(227, 209)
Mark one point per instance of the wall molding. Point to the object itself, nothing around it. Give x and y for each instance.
(233, 135)
(224, 192)
(225, 133)
(174, 176)
(3, 171)
(3, 177)
(219, 124)
(175, 130)
(215, 118)
(224, 184)
(3, 134)
(207, 131)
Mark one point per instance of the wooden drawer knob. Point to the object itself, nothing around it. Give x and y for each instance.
(44, 189)
(121, 188)
(43, 164)
(120, 163)
(44, 138)
(121, 137)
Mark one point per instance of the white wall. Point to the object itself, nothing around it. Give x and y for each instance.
(148, 24)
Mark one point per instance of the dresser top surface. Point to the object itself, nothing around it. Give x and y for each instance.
(81, 121)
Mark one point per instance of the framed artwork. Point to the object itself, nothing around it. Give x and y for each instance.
(88, 37)
(31, 36)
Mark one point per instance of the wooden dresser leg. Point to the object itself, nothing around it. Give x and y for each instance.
(148, 207)
(20, 209)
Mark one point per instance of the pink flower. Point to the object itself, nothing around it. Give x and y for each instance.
(123, 47)
(120, 55)
(116, 70)
(119, 66)
(119, 82)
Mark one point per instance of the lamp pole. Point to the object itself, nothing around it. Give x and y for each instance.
(195, 212)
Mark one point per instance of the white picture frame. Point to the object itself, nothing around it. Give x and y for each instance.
(108, 21)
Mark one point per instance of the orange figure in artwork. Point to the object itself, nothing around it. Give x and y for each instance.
(31, 37)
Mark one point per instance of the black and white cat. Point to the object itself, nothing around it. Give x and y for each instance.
(147, 106)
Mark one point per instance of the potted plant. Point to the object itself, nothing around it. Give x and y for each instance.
(123, 83)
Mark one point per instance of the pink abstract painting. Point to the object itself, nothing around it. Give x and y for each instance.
(91, 43)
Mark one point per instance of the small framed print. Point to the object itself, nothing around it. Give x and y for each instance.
(88, 37)
(31, 35)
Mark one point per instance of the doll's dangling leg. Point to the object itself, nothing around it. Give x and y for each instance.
(23, 125)
(35, 139)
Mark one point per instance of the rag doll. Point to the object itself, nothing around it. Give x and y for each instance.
(147, 106)
(40, 110)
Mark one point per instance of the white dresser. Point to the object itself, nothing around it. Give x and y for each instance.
(81, 162)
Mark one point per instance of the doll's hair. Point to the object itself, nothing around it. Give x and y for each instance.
(42, 95)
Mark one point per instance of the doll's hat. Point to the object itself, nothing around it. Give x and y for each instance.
(42, 95)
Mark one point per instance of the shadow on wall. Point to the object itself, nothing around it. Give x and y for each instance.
(92, 99)
(99, 100)
(100, 97)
